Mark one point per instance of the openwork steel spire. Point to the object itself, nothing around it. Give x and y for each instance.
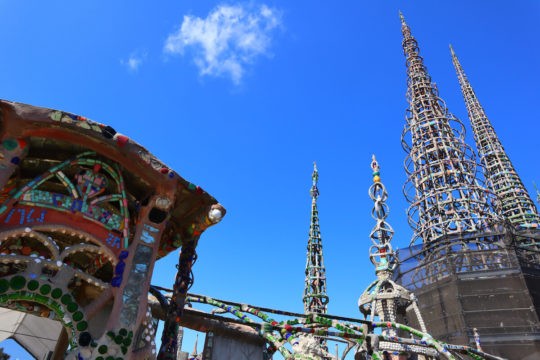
(381, 253)
(501, 177)
(442, 187)
(315, 298)
(384, 299)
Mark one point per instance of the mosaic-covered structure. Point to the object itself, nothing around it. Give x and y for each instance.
(84, 214)
(384, 300)
(474, 272)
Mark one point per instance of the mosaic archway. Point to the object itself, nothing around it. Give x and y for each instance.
(42, 298)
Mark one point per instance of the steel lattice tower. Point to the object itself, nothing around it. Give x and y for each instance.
(315, 298)
(442, 187)
(501, 177)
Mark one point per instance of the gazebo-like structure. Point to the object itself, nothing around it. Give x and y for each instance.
(84, 214)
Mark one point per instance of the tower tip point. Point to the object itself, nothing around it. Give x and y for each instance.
(451, 49)
(401, 17)
(315, 177)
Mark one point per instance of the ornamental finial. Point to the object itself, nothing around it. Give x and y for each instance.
(376, 169)
(381, 252)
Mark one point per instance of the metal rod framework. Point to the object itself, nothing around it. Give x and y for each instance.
(445, 195)
(285, 335)
(315, 297)
(499, 172)
(384, 299)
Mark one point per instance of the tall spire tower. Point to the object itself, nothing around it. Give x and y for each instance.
(501, 177)
(384, 299)
(315, 298)
(442, 188)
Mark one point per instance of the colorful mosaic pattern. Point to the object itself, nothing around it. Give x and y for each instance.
(109, 133)
(19, 289)
(90, 183)
(109, 219)
(285, 336)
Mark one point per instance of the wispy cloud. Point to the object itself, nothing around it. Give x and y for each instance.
(134, 61)
(227, 40)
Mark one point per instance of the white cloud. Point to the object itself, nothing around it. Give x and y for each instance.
(134, 61)
(227, 40)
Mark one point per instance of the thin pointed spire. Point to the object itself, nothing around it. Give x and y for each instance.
(195, 351)
(402, 18)
(384, 298)
(315, 297)
(315, 178)
(501, 177)
(442, 187)
(451, 49)
(381, 253)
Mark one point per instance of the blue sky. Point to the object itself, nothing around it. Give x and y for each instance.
(244, 114)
